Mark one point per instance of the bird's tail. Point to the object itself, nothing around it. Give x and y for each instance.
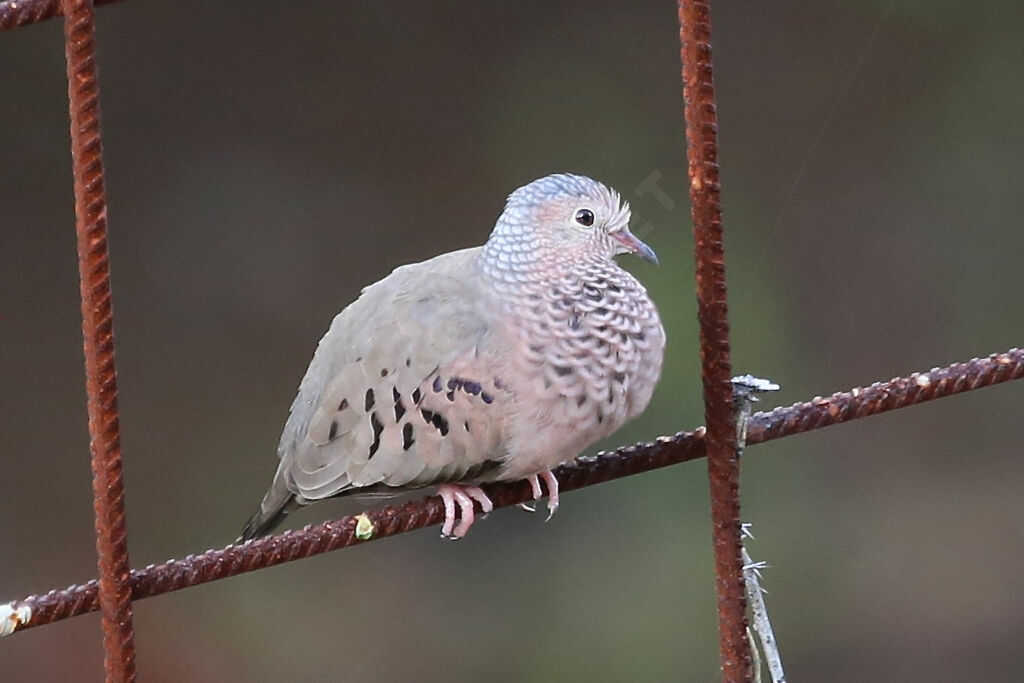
(276, 505)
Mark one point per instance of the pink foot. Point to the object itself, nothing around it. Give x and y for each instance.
(464, 496)
(552, 484)
(537, 493)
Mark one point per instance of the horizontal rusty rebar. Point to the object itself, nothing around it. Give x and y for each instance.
(173, 575)
(15, 13)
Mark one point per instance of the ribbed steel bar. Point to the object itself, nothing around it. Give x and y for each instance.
(115, 589)
(174, 575)
(15, 13)
(723, 459)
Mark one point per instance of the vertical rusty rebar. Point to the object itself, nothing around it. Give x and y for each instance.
(98, 332)
(723, 465)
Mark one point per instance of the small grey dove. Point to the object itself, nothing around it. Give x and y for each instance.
(494, 363)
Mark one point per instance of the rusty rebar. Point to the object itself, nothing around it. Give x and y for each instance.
(115, 590)
(723, 460)
(669, 450)
(15, 13)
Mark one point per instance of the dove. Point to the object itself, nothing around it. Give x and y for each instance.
(494, 363)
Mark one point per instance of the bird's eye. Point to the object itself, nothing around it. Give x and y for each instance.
(585, 217)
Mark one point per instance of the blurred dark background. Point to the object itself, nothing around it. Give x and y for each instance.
(266, 159)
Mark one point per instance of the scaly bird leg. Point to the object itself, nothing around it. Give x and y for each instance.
(464, 496)
(535, 486)
(552, 485)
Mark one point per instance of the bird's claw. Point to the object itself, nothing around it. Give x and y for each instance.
(552, 509)
(538, 493)
(464, 496)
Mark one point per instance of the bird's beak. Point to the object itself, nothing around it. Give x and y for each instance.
(632, 245)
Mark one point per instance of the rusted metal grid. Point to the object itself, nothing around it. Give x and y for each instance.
(117, 587)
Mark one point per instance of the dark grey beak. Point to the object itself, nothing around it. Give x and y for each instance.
(632, 245)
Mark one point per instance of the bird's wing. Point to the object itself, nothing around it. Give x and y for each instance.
(401, 391)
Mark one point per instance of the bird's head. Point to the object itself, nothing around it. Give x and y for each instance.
(569, 216)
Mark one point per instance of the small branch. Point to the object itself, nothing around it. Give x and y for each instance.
(761, 624)
(745, 394)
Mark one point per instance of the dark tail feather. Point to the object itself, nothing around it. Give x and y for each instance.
(265, 521)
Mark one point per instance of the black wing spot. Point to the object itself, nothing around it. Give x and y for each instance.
(334, 431)
(562, 370)
(498, 384)
(454, 383)
(466, 426)
(581, 399)
(407, 440)
(437, 383)
(416, 396)
(450, 395)
(440, 423)
(408, 362)
(368, 403)
(343, 404)
(399, 406)
(472, 388)
(383, 372)
(428, 415)
(377, 429)
(487, 398)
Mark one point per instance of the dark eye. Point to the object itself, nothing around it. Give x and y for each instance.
(585, 217)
